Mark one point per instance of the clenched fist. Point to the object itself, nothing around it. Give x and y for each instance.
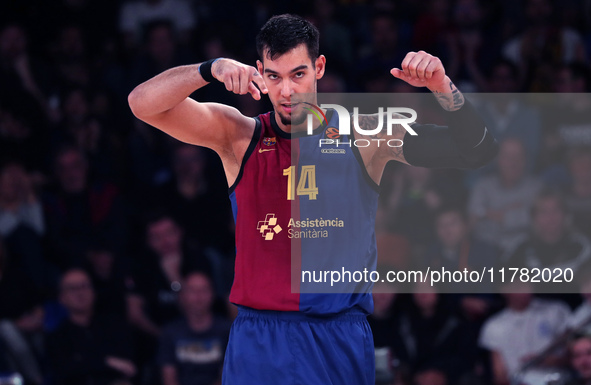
(420, 69)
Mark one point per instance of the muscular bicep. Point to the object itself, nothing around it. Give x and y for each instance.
(211, 125)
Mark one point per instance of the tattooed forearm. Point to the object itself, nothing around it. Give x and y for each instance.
(385, 143)
(450, 100)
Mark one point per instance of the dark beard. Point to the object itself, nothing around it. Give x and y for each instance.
(289, 120)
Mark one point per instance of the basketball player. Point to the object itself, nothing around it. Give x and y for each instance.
(282, 336)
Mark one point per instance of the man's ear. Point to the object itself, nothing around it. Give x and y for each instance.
(320, 66)
(260, 67)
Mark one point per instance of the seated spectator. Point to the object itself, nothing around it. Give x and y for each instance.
(108, 273)
(87, 347)
(191, 194)
(22, 224)
(192, 348)
(411, 199)
(381, 320)
(382, 323)
(21, 322)
(524, 328)
(153, 298)
(79, 209)
(135, 15)
(580, 359)
(551, 244)
(499, 204)
(542, 41)
(433, 345)
(578, 196)
(18, 201)
(455, 250)
(580, 321)
(509, 116)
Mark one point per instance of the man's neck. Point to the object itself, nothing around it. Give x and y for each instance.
(81, 318)
(200, 322)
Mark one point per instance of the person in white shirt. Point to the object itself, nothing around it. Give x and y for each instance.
(524, 328)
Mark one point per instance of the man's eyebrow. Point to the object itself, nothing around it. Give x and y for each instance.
(298, 68)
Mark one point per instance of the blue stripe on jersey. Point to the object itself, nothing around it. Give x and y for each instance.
(344, 194)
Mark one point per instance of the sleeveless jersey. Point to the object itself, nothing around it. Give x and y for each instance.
(301, 207)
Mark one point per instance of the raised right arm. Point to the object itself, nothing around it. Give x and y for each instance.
(164, 103)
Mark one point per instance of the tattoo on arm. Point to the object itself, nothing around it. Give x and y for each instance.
(370, 122)
(452, 100)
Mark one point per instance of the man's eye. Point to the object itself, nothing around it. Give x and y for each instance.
(272, 77)
(299, 75)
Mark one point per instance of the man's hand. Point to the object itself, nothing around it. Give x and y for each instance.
(239, 78)
(419, 69)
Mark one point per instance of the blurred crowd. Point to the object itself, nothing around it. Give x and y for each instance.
(116, 241)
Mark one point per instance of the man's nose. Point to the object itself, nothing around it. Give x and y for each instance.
(286, 89)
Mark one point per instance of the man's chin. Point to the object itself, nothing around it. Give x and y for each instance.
(291, 119)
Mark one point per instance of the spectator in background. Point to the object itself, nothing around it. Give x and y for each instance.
(21, 321)
(580, 321)
(508, 116)
(551, 244)
(432, 29)
(88, 133)
(456, 249)
(382, 319)
(22, 224)
(153, 300)
(542, 42)
(71, 57)
(580, 359)
(499, 204)
(415, 194)
(79, 209)
(87, 347)
(524, 328)
(192, 348)
(18, 72)
(335, 38)
(566, 119)
(162, 51)
(109, 275)
(136, 15)
(383, 53)
(433, 345)
(578, 195)
(19, 205)
(191, 194)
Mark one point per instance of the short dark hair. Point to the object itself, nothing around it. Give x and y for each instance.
(452, 208)
(549, 193)
(285, 32)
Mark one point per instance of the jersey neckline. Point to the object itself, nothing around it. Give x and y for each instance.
(300, 134)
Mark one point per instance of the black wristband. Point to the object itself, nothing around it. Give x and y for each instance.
(205, 70)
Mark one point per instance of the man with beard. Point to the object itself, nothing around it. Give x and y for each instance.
(286, 331)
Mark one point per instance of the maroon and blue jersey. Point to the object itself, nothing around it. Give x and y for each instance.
(301, 207)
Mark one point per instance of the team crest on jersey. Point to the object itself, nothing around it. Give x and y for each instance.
(269, 141)
(332, 133)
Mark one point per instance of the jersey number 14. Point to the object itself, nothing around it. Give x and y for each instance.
(306, 184)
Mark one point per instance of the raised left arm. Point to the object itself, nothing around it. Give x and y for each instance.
(465, 142)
